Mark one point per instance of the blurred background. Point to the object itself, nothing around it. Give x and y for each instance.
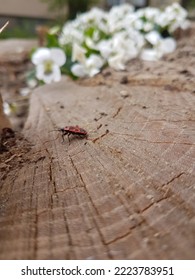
(25, 16)
(28, 23)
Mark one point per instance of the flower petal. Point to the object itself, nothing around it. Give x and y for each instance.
(48, 79)
(116, 62)
(149, 55)
(153, 37)
(40, 55)
(95, 61)
(168, 45)
(40, 71)
(105, 48)
(78, 70)
(78, 53)
(58, 56)
(56, 73)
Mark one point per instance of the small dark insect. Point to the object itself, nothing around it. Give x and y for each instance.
(74, 130)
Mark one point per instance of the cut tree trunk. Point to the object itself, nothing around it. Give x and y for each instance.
(126, 192)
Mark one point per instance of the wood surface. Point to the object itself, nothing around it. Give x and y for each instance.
(127, 192)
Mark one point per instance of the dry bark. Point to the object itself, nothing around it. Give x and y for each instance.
(127, 192)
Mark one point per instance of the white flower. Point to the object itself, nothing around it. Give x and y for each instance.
(7, 108)
(105, 48)
(161, 47)
(173, 17)
(149, 55)
(148, 13)
(167, 45)
(117, 61)
(114, 38)
(32, 83)
(90, 43)
(124, 45)
(145, 19)
(78, 53)
(119, 12)
(186, 24)
(71, 33)
(48, 62)
(90, 67)
(153, 37)
(117, 17)
(79, 70)
(121, 48)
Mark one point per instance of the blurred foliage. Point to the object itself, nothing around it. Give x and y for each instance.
(191, 4)
(26, 27)
(74, 6)
(188, 3)
(23, 28)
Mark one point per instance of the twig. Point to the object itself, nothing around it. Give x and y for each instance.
(4, 26)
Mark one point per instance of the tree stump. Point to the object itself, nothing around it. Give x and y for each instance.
(126, 192)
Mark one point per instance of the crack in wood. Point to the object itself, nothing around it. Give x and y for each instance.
(99, 126)
(154, 142)
(153, 203)
(38, 159)
(50, 173)
(167, 194)
(102, 114)
(70, 241)
(35, 237)
(77, 172)
(156, 82)
(164, 142)
(173, 179)
(117, 112)
(159, 120)
(52, 180)
(118, 238)
(101, 136)
(94, 206)
(126, 234)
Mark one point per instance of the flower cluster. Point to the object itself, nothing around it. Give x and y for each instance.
(97, 38)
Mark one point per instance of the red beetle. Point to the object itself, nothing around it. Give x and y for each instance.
(74, 130)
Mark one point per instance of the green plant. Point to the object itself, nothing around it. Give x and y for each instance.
(188, 3)
(74, 6)
(24, 27)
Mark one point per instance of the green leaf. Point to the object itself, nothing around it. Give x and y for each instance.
(52, 41)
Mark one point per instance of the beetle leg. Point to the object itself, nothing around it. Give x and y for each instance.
(68, 134)
(63, 134)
